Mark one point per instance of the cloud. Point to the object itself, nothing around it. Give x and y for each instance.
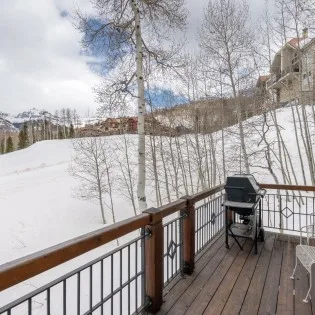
(40, 60)
(196, 9)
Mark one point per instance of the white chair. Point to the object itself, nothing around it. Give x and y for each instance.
(306, 254)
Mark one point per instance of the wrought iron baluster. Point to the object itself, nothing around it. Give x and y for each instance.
(64, 302)
(29, 306)
(102, 286)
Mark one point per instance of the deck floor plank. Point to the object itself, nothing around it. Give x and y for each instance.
(255, 289)
(285, 304)
(237, 296)
(199, 304)
(301, 286)
(232, 282)
(218, 301)
(268, 304)
(177, 291)
(187, 298)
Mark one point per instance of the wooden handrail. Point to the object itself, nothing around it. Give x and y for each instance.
(172, 207)
(29, 266)
(206, 193)
(288, 187)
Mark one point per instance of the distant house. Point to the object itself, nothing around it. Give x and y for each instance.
(292, 72)
(119, 125)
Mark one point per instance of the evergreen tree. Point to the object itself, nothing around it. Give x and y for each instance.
(46, 129)
(10, 147)
(33, 134)
(60, 134)
(71, 131)
(2, 146)
(23, 137)
(21, 144)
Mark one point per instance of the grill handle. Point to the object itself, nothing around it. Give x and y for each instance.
(261, 193)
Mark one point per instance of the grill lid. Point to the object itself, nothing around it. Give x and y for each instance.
(242, 188)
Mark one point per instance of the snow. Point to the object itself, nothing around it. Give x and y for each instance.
(38, 207)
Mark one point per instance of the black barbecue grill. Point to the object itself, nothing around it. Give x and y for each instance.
(243, 217)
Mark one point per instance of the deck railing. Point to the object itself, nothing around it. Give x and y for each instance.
(132, 277)
(287, 208)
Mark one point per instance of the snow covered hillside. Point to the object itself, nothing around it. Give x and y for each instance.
(38, 207)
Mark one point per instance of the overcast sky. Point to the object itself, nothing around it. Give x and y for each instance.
(40, 62)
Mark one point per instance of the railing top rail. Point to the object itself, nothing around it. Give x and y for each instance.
(206, 193)
(172, 207)
(21, 269)
(288, 187)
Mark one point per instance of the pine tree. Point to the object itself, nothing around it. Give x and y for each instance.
(46, 130)
(71, 131)
(2, 146)
(23, 137)
(60, 134)
(10, 147)
(21, 144)
(33, 134)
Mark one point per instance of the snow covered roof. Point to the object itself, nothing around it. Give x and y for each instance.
(264, 78)
(299, 42)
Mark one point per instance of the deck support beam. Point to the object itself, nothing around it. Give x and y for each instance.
(189, 235)
(154, 260)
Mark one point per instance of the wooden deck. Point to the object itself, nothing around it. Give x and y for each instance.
(240, 282)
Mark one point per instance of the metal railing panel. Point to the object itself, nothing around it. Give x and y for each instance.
(111, 284)
(209, 222)
(173, 248)
(286, 212)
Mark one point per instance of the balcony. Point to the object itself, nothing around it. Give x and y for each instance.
(287, 75)
(178, 264)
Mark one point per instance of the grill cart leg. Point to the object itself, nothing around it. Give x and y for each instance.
(256, 237)
(226, 228)
(262, 235)
(235, 238)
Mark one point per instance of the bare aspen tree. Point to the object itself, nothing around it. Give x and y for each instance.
(126, 177)
(131, 30)
(226, 36)
(153, 131)
(108, 163)
(89, 167)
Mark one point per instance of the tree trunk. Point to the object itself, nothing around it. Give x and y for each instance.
(239, 116)
(298, 144)
(141, 110)
(100, 197)
(165, 171)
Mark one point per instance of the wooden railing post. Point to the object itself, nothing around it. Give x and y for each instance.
(189, 235)
(154, 260)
